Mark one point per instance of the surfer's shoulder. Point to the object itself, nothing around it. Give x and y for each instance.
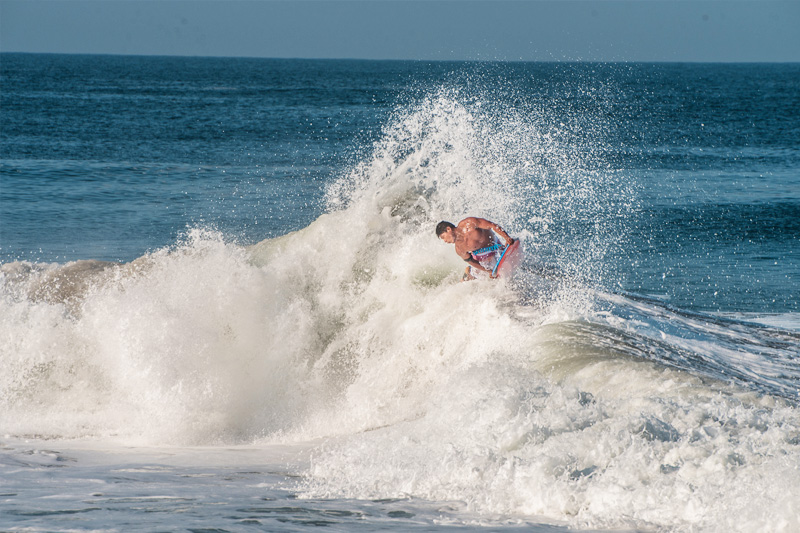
(468, 223)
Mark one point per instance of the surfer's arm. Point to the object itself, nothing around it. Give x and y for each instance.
(474, 264)
(482, 223)
(466, 256)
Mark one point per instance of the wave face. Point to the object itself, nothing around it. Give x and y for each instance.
(548, 396)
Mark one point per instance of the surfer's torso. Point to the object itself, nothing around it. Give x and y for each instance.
(470, 239)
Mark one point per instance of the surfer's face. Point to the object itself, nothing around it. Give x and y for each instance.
(448, 236)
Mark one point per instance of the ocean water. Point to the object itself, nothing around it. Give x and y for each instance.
(224, 307)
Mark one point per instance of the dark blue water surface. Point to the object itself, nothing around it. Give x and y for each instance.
(107, 157)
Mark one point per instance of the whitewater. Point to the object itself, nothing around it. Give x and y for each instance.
(341, 375)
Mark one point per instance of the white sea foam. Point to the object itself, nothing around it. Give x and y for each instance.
(536, 398)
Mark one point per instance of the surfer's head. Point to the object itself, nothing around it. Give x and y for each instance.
(444, 230)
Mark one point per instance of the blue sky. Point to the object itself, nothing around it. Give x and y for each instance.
(642, 30)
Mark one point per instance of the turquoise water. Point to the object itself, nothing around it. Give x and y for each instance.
(221, 274)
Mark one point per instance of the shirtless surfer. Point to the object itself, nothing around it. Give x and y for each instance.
(476, 242)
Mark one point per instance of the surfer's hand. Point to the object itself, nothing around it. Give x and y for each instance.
(467, 275)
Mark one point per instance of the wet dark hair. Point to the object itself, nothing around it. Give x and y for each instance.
(442, 226)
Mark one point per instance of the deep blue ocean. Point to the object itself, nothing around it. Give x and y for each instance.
(107, 157)
(202, 255)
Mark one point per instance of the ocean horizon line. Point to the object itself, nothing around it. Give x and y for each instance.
(406, 60)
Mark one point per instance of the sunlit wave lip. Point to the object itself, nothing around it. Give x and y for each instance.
(731, 349)
(790, 321)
